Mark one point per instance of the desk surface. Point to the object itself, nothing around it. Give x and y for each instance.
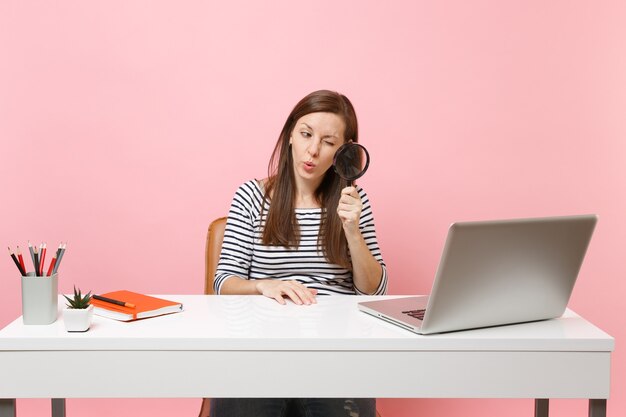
(259, 323)
(249, 346)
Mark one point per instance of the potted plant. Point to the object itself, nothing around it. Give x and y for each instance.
(79, 312)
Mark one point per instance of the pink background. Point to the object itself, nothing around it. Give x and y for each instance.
(126, 127)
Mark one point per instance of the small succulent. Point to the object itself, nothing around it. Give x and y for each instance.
(79, 301)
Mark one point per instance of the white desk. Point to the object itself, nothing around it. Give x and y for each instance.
(229, 346)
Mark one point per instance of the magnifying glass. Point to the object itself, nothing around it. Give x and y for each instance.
(351, 161)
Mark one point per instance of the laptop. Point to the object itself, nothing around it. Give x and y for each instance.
(493, 273)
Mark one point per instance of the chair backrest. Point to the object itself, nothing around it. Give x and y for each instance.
(214, 238)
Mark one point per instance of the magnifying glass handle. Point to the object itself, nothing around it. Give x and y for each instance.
(349, 183)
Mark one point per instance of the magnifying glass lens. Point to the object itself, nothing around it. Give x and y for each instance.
(351, 161)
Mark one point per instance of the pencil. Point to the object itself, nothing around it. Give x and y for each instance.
(43, 258)
(52, 262)
(61, 252)
(17, 263)
(32, 256)
(21, 259)
(112, 301)
(36, 261)
(59, 249)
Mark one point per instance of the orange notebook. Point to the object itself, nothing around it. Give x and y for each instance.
(145, 306)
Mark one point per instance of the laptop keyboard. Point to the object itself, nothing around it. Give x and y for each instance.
(416, 314)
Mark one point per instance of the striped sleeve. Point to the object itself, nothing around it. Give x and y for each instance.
(237, 248)
(368, 231)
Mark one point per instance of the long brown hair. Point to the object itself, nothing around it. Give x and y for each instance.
(281, 227)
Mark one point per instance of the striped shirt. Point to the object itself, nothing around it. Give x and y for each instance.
(244, 255)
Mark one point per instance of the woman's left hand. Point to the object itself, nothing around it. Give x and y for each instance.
(349, 210)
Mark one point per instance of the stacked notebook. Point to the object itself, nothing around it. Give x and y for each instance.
(145, 306)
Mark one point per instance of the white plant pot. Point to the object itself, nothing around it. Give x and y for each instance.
(78, 319)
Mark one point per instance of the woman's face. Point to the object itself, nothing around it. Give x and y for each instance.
(314, 141)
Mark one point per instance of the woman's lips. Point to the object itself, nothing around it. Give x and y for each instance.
(309, 166)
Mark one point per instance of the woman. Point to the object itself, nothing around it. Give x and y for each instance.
(301, 233)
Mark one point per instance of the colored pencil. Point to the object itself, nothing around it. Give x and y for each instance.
(36, 261)
(61, 253)
(21, 259)
(52, 263)
(17, 263)
(44, 249)
(32, 255)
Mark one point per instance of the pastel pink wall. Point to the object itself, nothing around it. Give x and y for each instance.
(125, 127)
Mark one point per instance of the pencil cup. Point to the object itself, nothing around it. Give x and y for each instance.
(39, 299)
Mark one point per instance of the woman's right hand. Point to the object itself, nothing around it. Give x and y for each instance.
(278, 290)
